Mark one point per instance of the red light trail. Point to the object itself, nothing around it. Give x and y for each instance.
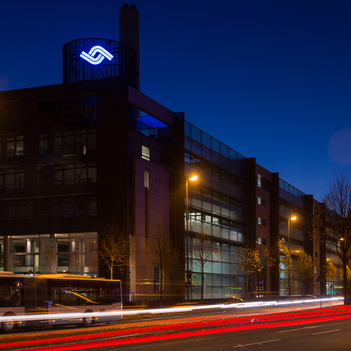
(221, 326)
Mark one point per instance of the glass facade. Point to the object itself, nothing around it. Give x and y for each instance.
(218, 207)
(73, 253)
(334, 285)
(222, 278)
(290, 194)
(213, 151)
(292, 203)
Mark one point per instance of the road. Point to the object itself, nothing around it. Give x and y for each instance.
(187, 317)
(331, 336)
(281, 328)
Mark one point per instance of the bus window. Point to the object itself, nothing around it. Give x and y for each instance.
(109, 292)
(114, 292)
(10, 292)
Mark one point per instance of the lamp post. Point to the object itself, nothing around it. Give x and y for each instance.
(187, 230)
(289, 225)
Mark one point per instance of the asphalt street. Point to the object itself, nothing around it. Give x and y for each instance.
(331, 336)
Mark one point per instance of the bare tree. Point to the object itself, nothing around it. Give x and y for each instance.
(280, 260)
(114, 248)
(203, 251)
(163, 253)
(336, 217)
(249, 261)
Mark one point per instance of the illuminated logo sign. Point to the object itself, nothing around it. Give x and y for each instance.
(94, 59)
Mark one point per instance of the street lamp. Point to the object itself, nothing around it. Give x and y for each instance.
(293, 218)
(193, 178)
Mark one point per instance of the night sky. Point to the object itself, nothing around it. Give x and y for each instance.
(271, 79)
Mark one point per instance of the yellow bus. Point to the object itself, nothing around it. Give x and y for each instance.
(47, 297)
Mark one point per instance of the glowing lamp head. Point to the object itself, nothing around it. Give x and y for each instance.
(293, 218)
(193, 178)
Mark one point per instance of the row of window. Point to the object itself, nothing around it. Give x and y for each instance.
(217, 180)
(55, 111)
(298, 202)
(291, 189)
(206, 218)
(66, 143)
(210, 142)
(231, 233)
(295, 233)
(193, 160)
(231, 166)
(67, 110)
(208, 206)
(48, 208)
(68, 174)
(78, 142)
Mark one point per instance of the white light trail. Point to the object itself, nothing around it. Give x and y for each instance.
(53, 316)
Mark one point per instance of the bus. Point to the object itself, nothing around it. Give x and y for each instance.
(57, 294)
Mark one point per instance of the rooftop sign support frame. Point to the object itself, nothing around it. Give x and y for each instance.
(95, 58)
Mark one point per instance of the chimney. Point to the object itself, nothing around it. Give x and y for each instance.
(129, 31)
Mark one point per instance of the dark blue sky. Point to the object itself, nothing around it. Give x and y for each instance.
(271, 79)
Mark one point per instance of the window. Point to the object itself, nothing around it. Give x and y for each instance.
(261, 221)
(81, 143)
(261, 241)
(146, 179)
(164, 161)
(79, 173)
(43, 144)
(145, 153)
(14, 146)
(261, 201)
(315, 254)
(259, 180)
(43, 175)
(195, 217)
(14, 113)
(11, 179)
